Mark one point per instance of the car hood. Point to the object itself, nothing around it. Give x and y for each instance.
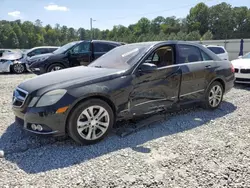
(241, 63)
(40, 56)
(11, 56)
(68, 77)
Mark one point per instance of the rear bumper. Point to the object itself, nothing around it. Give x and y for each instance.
(229, 83)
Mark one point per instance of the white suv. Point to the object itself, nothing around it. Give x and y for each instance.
(220, 51)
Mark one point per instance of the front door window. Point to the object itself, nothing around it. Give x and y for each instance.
(84, 47)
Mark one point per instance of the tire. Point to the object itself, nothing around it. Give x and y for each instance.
(18, 68)
(212, 102)
(81, 134)
(55, 67)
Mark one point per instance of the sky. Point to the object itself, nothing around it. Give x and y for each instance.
(106, 13)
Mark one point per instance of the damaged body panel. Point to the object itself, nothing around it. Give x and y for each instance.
(8, 61)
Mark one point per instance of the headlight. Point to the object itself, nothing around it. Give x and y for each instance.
(50, 97)
(31, 61)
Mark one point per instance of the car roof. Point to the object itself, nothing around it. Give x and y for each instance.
(153, 43)
(45, 47)
(6, 49)
(108, 41)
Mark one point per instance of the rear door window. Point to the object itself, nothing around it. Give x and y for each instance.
(189, 54)
(217, 50)
(103, 47)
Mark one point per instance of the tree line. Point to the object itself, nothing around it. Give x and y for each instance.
(221, 21)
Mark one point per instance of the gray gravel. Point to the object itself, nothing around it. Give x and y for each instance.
(196, 148)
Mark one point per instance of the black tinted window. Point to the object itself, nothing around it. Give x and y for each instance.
(102, 47)
(38, 52)
(189, 53)
(216, 50)
(81, 48)
(51, 49)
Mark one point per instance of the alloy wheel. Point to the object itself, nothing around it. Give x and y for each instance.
(18, 68)
(215, 96)
(93, 122)
(56, 68)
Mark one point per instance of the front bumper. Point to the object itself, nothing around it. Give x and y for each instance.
(38, 71)
(28, 67)
(242, 78)
(51, 122)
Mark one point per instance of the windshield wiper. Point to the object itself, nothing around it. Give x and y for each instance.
(98, 66)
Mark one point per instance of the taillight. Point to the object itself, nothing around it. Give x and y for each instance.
(232, 68)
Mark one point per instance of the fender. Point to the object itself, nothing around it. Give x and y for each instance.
(220, 79)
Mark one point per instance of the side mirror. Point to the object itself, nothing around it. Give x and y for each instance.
(148, 67)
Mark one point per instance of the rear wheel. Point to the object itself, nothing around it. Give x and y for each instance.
(55, 67)
(90, 121)
(213, 96)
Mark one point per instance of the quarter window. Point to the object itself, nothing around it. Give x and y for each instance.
(205, 57)
(188, 54)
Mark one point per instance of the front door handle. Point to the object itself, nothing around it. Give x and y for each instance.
(208, 66)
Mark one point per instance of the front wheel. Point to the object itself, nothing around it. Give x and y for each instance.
(18, 68)
(55, 67)
(213, 96)
(90, 121)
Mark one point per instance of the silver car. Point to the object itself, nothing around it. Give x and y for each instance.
(12, 62)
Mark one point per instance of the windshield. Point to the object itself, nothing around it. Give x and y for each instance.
(122, 57)
(246, 56)
(64, 48)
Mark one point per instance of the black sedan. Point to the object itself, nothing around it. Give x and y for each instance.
(127, 82)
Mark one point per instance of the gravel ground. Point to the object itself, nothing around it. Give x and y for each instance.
(195, 148)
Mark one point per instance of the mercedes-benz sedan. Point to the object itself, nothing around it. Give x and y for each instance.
(129, 81)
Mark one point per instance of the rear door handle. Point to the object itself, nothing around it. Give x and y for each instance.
(208, 66)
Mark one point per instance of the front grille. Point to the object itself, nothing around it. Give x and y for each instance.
(236, 70)
(19, 97)
(245, 71)
(243, 79)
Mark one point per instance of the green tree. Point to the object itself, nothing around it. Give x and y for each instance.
(197, 18)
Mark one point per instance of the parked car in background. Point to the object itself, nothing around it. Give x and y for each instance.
(37, 51)
(220, 51)
(12, 62)
(72, 54)
(242, 68)
(129, 81)
(40, 50)
(246, 56)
